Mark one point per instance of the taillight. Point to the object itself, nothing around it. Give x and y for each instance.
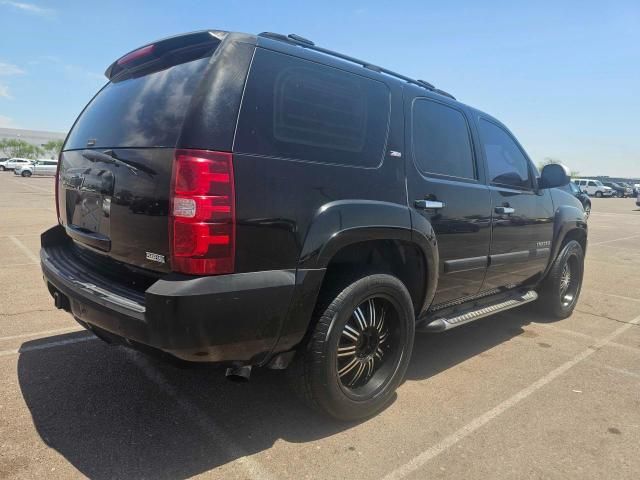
(202, 219)
(56, 187)
(136, 54)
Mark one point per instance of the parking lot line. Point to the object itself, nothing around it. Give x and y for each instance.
(253, 468)
(35, 187)
(44, 346)
(12, 265)
(621, 297)
(614, 240)
(24, 249)
(621, 371)
(42, 333)
(420, 460)
(587, 337)
(608, 214)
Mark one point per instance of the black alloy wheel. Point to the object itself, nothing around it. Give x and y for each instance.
(359, 349)
(560, 290)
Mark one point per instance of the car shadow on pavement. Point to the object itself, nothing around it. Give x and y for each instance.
(114, 413)
(435, 353)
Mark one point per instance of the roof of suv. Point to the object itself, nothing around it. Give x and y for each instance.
(293, 42)
(302, 47)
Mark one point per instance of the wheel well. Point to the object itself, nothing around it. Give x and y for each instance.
(402, 259)
(577, 234)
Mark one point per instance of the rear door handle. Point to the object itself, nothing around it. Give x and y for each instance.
(429, 204)
(505, 210)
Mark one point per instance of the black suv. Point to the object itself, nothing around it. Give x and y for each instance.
(260, 201)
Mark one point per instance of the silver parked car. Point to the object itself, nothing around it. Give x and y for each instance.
(12, 163)
(38, 167)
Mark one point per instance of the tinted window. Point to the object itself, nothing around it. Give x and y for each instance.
(145, 111)
(507, 164)
(592, 184)
(441, 142)
(296, 109)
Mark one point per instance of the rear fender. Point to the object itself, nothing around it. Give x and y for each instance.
(340, 224)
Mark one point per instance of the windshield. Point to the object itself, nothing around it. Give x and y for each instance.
(598, 183)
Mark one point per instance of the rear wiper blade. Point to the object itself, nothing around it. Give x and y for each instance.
(109, 156)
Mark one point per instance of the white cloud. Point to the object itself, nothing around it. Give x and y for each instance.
(7, 69)
(29, 8)
(4, 92)
(76, 71)
(6, 122)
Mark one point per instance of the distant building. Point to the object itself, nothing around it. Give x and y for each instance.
(35, 137)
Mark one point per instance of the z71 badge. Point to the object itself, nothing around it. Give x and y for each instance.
(155, 257)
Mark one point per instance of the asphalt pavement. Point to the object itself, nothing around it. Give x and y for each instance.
(515, 396)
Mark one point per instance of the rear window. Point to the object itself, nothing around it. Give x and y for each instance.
(301, 110)
(145, 111)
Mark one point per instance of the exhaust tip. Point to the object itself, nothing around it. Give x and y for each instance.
(60, 301)
(239, 374)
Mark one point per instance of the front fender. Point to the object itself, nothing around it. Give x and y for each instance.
(567, 218)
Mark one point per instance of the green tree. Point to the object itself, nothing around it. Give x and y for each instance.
(19, 148)
(549, 160)
(53, 146)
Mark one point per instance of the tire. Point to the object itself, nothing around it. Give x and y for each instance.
(352, 386)
(598, 194)
(26, 173)
(555, 297)
(2, 168)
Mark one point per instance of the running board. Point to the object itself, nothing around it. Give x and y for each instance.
(447, 323)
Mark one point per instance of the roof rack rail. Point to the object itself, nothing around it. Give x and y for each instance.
(306, 43)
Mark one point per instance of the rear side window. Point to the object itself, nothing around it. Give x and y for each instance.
(507, 164)
(301, 110)
(145, 111)
(441, 142)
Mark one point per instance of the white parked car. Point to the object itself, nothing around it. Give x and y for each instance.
(12, 163)
(593, 188)
(37, 167)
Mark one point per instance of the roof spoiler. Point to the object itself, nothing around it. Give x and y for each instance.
(163, 51)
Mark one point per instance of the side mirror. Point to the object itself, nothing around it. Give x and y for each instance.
(554, 175)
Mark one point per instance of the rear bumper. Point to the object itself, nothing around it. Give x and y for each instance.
(227, 318)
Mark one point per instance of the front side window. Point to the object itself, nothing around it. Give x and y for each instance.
(507, 164)
(593, 184)
(301, 110)
(440, 138)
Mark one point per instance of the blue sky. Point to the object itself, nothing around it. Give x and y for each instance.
(563, 75)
